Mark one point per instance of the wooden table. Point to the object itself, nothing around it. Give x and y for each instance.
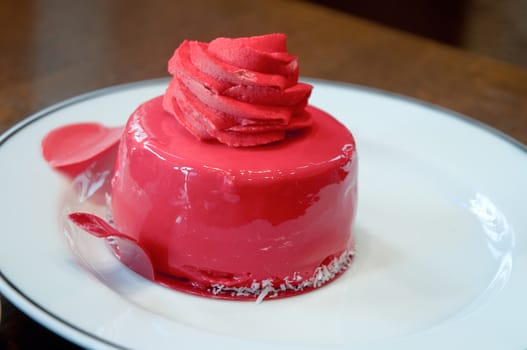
(56, 49)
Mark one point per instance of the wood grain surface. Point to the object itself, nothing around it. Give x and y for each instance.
(55, 49)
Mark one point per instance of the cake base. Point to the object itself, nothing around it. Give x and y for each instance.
(263, 290)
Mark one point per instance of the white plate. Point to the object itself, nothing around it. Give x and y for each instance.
(441, 239)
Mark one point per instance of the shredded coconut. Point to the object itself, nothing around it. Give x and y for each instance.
(265, 289)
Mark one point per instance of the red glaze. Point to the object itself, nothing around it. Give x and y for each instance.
(72, 148)
(210, 214)
(127, 250)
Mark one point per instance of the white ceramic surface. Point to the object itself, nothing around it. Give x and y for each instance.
(441, 239)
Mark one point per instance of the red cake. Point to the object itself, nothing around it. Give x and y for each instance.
(232, 184)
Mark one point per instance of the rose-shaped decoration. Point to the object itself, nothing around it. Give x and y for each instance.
(242, 92)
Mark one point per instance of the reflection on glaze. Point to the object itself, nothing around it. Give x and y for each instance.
(221, 220)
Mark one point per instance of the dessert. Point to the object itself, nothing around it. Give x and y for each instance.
(232, 183)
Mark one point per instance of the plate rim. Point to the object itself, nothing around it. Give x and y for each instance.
(71, 332)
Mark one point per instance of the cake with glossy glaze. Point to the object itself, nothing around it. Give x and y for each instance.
(232, 183)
